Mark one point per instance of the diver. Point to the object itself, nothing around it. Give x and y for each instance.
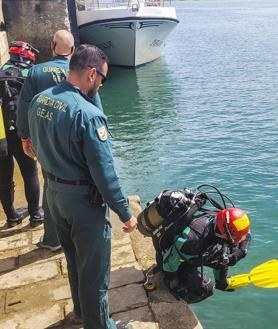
(187, 237)
(12, 76)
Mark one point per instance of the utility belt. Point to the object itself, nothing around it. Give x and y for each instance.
(95, 197)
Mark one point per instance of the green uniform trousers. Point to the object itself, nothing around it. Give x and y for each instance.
(84, 231)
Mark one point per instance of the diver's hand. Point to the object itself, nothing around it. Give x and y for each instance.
(27, 148)
(234, 257)
(223, 285)
(228, 259)
(130, 225)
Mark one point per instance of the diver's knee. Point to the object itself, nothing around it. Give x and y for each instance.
(208, 288)
(205, 290)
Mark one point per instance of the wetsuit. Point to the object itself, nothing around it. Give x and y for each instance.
(10, 86)
(194, 247)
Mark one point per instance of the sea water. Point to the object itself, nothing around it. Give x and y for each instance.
(206, 112)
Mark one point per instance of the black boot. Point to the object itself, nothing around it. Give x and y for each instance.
(37, 218)
(17, 217)
(121, 326)
(14, 216)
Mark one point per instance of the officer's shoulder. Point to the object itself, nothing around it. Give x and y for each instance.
(87, 108)
(39, 66)
(50, 63)
(47, 92)
(35, 68)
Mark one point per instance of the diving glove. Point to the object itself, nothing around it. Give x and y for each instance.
(235, 257)
(223, 285)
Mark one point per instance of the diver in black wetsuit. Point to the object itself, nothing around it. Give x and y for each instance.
(188, 237)
(205, 243)
(12, 75)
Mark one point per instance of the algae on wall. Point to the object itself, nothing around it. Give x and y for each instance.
(35, 21)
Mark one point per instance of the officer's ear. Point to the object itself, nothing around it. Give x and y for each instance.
(53, 45)
(92, 73)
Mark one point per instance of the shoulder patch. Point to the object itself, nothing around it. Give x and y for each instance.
(102, 133)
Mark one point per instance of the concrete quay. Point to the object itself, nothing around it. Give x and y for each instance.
(34, 290)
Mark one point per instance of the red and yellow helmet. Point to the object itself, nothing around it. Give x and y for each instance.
(23, 51)
(233, 224)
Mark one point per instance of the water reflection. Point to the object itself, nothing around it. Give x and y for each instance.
(140, 94)
(140, 105)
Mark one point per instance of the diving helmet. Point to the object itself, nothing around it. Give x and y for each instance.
(22, 52)
(233, 225)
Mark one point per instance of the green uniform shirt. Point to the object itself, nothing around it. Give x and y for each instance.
(70, 138)
(41, 77)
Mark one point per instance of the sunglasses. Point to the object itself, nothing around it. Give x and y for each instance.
(104, 78)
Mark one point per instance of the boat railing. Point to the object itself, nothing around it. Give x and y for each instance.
(97, 4)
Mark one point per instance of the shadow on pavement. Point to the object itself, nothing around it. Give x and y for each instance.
(27, 258)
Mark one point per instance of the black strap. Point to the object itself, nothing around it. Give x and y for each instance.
(66, 181)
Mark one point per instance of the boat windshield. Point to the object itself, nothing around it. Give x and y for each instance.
(95, 4)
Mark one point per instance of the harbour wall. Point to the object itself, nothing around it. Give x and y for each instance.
(3, 39)
(33, 21)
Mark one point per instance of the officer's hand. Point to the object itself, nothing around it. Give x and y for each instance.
(27, 148)
(130, 225)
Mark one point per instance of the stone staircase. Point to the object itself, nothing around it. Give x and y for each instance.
(34, 290)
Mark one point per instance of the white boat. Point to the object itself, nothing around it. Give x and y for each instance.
(131, 33)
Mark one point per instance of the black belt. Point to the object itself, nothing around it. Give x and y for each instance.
(66, 181)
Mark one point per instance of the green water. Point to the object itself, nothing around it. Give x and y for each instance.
(206, 112)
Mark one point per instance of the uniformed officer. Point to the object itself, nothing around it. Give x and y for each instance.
(70, 138)
(41, 77)
(12, 76)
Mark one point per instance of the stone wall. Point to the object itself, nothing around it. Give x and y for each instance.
(3, 39)
(35, 21)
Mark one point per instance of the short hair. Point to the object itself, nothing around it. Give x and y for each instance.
(87, 56)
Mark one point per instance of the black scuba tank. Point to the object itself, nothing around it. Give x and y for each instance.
(11, 81)
(167, 214)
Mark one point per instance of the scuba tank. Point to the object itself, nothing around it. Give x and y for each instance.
(170, 211)
(3, 140)
(173, 210)
(11, 81)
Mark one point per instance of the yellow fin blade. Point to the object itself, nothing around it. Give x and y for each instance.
(264, 275)
(238, 281)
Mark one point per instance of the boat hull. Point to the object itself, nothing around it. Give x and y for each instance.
(129, 41)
